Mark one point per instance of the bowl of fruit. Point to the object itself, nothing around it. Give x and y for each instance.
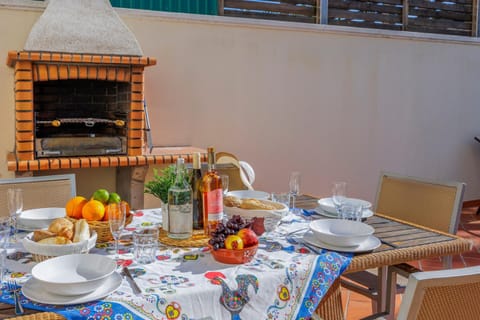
(234, 242)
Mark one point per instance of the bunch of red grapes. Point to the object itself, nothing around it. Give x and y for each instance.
(224, 229)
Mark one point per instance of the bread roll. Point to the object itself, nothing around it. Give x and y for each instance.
(256, 204)
(42, 234)
(55, 240)
(62, 227)
(82, 231)
(231, 201)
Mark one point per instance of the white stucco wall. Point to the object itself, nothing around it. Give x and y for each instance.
(333, 103)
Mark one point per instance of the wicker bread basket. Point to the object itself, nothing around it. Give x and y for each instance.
(102, 228)
(41, 252)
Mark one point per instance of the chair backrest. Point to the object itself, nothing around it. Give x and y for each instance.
(436, 205)
(445, 294)
(241, 174)
(40, 191)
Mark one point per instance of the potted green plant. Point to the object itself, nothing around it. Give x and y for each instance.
(158, 187)
(160, 184)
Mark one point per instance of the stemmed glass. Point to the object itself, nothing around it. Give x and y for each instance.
(339, 195)
(225, 180)
(294, 185)
(116, 220)
(15, 207)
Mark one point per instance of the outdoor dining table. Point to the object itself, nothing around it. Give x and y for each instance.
(309, 278)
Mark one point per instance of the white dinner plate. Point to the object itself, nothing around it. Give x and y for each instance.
(370, 244)
(326, 204)
(32, 289)
(39, 218)
(366, 213)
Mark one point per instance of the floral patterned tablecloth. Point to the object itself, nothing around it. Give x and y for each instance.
(285, 280)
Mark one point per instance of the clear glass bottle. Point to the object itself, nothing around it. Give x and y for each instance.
(212, 195)
(196, 182)
(180, 215)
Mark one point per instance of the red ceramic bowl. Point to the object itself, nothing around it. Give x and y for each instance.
(231, 256)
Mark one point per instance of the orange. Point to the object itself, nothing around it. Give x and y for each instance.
(93, 210)
(127, 207)
(74, 207)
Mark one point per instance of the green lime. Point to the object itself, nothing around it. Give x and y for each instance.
(101, 195)
(114, 198)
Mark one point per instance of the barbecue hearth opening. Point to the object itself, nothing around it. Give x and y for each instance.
(81, 117)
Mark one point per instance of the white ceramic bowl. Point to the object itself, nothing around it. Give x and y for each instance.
(342, 233)
(252, 194)
(272, 217)
(55, 250)
(74, 274)
(327, 205)
(40, 218)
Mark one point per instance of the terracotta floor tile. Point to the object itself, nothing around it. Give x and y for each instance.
(357, 306)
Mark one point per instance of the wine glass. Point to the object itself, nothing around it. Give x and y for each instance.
(15, 207)
(4, 235)
(225, 181)
(294, 185)
(116, 220)
(339, 195)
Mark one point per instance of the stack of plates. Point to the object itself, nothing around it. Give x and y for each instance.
(327, 209)
(40, 218)
(72, 279)
(341, 235)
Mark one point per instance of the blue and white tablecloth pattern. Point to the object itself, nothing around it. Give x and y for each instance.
(283, 281)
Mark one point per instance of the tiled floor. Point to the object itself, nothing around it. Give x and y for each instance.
(357, 306)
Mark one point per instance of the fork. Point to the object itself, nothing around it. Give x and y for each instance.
(15, 289)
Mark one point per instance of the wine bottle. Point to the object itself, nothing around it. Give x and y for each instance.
(196, 181)
(212, 195)
(180, 215)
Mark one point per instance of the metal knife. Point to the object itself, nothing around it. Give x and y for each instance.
(136, 289)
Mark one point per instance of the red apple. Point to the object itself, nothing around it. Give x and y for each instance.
(248, 236)
(234, 242)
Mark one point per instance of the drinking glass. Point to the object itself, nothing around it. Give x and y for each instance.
(339, 195)
(4, 235)
(294, 185)
(116, 220)
(351, 210)
(225, 180)
(145, 244)
(15, 207)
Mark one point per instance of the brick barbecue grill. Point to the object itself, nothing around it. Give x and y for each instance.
(77, 105)
(79, 97)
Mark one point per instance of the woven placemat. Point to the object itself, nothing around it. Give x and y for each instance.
(198, 239)
(39, 316)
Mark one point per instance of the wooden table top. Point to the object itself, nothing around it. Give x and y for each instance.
(401, 241)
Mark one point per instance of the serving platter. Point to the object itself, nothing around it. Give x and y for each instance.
(33, 290)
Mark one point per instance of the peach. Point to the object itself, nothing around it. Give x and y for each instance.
(248, 236)
(233, 242)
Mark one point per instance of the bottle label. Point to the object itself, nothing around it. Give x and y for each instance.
(214, 202)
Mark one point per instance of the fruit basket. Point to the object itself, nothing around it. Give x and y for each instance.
(232, 256)
(41, 252)
(102, 228)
